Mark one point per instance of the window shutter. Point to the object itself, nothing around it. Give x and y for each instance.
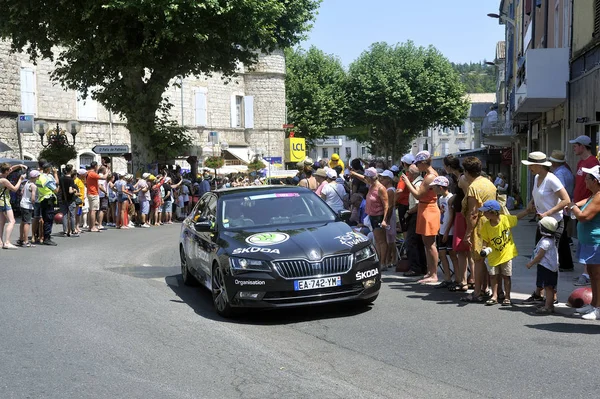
(596, 18)
(233, 112)
(27, 91)
(87, 108)
(249, 112)
(201, 108)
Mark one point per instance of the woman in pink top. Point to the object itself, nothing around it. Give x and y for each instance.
(377, 207)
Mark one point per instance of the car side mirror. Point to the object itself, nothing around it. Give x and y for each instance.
(203, 226)
(344, 215)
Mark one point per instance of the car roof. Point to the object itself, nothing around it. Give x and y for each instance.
(260, 189)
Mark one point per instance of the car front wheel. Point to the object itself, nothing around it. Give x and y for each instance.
(219, 293)
(186, 276)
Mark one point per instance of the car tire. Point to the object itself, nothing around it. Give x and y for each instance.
(186, 275)
(219, 293)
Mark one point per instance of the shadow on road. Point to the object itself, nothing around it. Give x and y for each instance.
(200, 299)
(591, 329)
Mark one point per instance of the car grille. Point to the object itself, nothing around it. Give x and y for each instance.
(293, 269)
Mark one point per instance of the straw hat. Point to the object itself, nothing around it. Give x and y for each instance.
(536, 158)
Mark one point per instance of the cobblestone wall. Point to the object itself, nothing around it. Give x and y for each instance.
(265, 82)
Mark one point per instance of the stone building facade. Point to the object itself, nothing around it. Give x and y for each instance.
(247, 111)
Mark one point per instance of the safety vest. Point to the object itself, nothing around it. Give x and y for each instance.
(43, 192)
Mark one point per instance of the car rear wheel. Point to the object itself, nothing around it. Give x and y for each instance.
(219, 293)
(186, 276)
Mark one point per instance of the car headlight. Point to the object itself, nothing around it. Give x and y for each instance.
(239, 265)
(365, 253)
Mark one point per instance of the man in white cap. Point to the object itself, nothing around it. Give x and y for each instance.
(333, 193)
(142, 190)
(582, 147)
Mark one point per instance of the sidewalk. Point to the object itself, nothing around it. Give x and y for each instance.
(523, 279)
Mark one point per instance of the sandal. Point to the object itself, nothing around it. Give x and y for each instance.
(458, 288)
(544, 310)
(473, 299)
(444, 284)
(491, 302)
(506, 302)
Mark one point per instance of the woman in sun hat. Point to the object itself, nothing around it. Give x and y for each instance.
(549, 198)
(428, 219)
(376, 209)
(587, 212)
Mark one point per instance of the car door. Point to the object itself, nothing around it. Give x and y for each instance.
(190, 240)
(204, 240)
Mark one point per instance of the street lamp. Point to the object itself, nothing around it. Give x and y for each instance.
(43, 129)
(503, 18)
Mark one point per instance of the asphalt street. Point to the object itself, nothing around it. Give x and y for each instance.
(107, 316)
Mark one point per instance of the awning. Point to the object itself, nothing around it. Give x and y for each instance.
(240, 153)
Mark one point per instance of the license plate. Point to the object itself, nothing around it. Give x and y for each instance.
(317, 283)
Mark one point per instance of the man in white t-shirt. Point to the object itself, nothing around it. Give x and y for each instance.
(333, 193)
(142, 190)
(103, 197)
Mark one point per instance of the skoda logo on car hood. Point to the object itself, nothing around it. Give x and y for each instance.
(269, 238)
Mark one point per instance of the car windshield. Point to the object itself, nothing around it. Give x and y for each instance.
(275, 208)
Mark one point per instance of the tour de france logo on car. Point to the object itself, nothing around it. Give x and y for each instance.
(267, 238)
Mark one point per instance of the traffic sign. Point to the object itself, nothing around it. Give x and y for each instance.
(111, 149)
(25, 124)
(288, 126)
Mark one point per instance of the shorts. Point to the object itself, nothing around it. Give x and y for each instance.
(588, 254)
(37, 211)
(103, 204)
(444, 246)
(546, 277)
(504, 269)
(5, 208)
(376, 221)
(145, 207)
(167, 206)
(94, 202)
(122, 198)
(26, 215)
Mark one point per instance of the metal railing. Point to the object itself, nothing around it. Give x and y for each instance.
(495, 126)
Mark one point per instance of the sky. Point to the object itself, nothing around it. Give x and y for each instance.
(460, 29)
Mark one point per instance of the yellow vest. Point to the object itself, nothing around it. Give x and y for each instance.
(43, 192)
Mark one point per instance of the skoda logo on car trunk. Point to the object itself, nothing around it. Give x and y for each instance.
(267, 239)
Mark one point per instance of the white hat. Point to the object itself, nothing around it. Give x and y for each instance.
(332, 174)
(81, 172)
(387, 173)
(145, 175)
(395, 169)
(536, 158)
(408, 159)
(422, 156)
(34, 173)
(549, 223)
(440, 181)
(595, 171)
(167, 179)
(583, 140)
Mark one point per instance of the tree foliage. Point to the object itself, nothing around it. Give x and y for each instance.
(477, 77)
(401, 90)
(315, 92)
(127, 51)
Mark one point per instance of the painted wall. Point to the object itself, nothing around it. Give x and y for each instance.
(583, 24)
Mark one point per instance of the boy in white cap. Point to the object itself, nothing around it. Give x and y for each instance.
(444, 238)
(545, 255)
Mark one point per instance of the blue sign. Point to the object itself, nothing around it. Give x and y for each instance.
(274, 160)
(25, 118)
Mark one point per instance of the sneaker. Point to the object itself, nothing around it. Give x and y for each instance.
(533, 299)
(584, 309)
(593, 315)
(49, 242)
(582, 281)
(74, 234)
(145, 226)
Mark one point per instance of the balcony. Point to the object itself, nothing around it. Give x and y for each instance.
(545, 83)
(492, 126)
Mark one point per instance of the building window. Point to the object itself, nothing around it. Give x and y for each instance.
(86, 159)
(242, 111)
(566, 23)
(348, 152)
(28, 98)
(336, 150)
(363, 151)
(445, 146)
(87, 108)
(200, 108)
(325, 153)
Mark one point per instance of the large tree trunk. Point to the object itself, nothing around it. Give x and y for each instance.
(140, 124)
